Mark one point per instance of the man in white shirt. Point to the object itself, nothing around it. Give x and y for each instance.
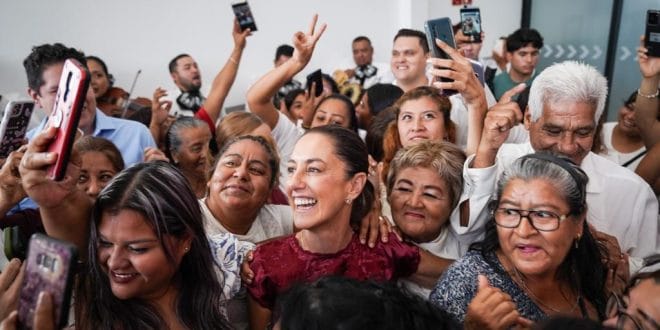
(565, 102)
(408, 62)
(365, 73)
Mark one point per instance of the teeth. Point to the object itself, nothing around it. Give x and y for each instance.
(304, 201)
(124, 276)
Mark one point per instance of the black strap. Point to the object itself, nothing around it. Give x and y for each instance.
(634, 158)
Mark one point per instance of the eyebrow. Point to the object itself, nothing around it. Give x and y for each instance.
(426, 186)
(233, 155)
(534, 206)
(135, 241)
(308, 161)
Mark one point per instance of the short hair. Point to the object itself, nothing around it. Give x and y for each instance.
(283, 50)
(173, 62)
(568, 81)
(350, 107)
(352, 152)
(523, 37)
(90, 143)
(416, 34)
(361, 38)
(291, 96)
(336, 302)
(44, 56)
(161, 194)
(381, 96)
(271, 151)
(444, 158)
(173, 140)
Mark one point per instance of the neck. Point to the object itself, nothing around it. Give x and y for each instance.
(327, 240)
(625, 143)
(234, 219)
(166, 307)
(408, 85)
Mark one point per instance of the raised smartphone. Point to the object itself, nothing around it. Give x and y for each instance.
(69, 103)
(244, 16)
(50, 266)
(315, 77)
(471, 23)
(652, 33)
(440, 28)
(14, 125)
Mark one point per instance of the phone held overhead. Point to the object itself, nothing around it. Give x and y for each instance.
(244, 15)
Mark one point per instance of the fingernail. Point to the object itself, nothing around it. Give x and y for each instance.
(362, 240)
(371, 245)
(51, 156)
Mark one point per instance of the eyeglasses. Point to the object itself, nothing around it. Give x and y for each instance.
(540, 220)
(616, 307)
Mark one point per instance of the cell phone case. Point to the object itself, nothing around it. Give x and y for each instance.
(69, 103)
(244, 16)
(14, 125)
(317, 78)
(471, 23)
(440, 28)
(50, 267)
(652, 33)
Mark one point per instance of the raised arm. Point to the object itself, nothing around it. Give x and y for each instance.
(646, 104)
(65, 209)
(225, 78)
(261, 93)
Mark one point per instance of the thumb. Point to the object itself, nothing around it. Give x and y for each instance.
(483, 282)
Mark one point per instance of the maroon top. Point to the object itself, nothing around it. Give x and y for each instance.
(281, 263)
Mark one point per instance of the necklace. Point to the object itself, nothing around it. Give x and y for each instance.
(539, 301)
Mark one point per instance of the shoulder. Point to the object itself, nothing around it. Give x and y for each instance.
(598, 168)
(277, 220)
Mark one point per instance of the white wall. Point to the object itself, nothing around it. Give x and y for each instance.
(145, 34)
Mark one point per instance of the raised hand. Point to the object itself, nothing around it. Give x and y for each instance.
(460, 70)
(649, 66)
(490, 308)
(11, 191)
(304, 43)
(239, 36)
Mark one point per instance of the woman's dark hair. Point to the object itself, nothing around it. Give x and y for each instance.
(173, 140)
(352, 117)
(343, 303)
(583, 268)
(333, 84)
(273, 157)
(350, 149)
(376, 132)
(100, 62)
(98, 144)
(382, 96)
(161, 194)
(291, 96)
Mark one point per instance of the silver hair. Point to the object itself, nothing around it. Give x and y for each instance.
(173, 138)
(568, 81)
(571, 185)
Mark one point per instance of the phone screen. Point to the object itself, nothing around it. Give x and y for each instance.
(244, 16)
(471, 23)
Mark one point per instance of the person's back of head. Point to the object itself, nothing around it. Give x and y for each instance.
(381, 96)
(376, 132)
(414, 34)
(44, 56)
(344, 303)
(522, 38)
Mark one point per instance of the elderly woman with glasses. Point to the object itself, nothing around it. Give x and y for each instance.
(538, 257)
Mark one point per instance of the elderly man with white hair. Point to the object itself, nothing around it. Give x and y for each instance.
(565, 103)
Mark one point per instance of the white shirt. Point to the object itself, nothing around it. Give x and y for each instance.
(619, 202)
(286, 134)
(615, 156)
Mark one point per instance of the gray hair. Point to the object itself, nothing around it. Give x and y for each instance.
(173, 140)
(569, 81)
(561, 172)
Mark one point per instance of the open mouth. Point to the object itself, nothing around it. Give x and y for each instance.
(122, 277)
(303, 203)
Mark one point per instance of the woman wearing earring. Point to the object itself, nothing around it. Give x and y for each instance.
(330, 194)
(538, 258)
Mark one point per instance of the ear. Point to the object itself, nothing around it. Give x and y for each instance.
(35, 96)
(527, 118)
(580, 224)
(356, 185)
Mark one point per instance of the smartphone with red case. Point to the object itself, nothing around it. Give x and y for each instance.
(14, 125)
(50, 266)
(69, 103)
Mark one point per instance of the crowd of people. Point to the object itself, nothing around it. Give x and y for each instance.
(434, 200)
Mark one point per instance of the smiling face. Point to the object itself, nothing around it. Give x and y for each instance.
(627, 121)
(408, 62)
(47, 93)
(193, 155)
(241, 180)
(317, 185)
(99, 82)
(420, 120)
(566, 129)
(420, 202)
(534, 252)
(186, 75)
(331, 111)
(96, 171)
(133, 258)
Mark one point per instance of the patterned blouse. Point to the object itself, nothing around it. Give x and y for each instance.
(458, 285)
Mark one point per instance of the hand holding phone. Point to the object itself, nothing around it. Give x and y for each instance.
(49, 267)
(652, 33)
(244, 16)
(440, 28)
(69, 103)
(315, 78)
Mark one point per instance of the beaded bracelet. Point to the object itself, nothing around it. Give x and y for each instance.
(648, 96)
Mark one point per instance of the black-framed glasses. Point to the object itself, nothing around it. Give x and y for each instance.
(540, 220)
(617, 307)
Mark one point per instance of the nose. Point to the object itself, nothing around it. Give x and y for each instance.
(240, 172)
(296, 180)
(93, 188)
(418, 125)
(567, 144)
(415, 200)
(525, 228)
(116, 259)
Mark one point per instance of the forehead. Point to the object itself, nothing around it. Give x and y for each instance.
(360, 44)
(333, 107)
(423, 103)
(248, 149)
(527, 49)
(420, 175)
(568, 113)
(95, 159)
(185, 61)
(51, 74)
(405, 43)
(535, 191)
(93, 65)
(125, 224)
(314, 146)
